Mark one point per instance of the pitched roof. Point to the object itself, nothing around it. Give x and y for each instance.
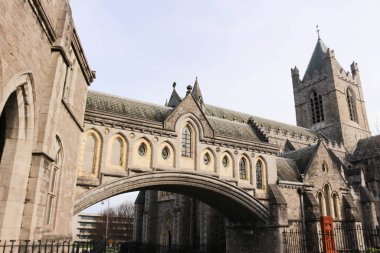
(367, 147)
(174, 99)
(225, 122)
(301, 157)
(259, 122)
(317, 58)
(287, 170)
(126, 107)
(233, 129)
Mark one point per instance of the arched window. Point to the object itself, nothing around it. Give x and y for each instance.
(53, 184)
(89, 154)
(327, 193)
(351, 105)
(186, 141)
(259, 174)
(321, 203)
(117, 152)
(335, 199)
(243, 168)
(316, 108)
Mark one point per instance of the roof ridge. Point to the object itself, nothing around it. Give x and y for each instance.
(129, 99)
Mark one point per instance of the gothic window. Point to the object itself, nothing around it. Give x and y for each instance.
(351, 105)
(316, 108)
(186, 142)
(321, 203)
(53, 184)
(324, 167)
(327, 193)
(89, 162)
(259, 174)
(335, 200)
(243, 168)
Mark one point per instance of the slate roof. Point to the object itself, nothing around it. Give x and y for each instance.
(233, 129)
(287, 170)
(301, 157)
(259, 122)
(367, 147)
(317, 59)
(126, 107)
(225, 122)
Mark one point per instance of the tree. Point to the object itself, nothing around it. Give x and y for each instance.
(120, 223)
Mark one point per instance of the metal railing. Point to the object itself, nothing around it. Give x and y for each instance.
(351, 238)
(26, 246)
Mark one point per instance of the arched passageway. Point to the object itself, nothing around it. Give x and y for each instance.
(229, 199)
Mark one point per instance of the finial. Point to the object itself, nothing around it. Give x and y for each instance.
(174, 84)
(319, 37)
(189, 88)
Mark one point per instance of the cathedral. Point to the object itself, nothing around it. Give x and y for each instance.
(209, 178)
(326, 166)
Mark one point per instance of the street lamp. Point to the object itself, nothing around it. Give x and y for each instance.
(107, 213)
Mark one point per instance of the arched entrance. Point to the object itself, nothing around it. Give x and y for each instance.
(16, 143)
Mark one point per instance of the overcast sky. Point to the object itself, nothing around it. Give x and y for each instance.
(241, 50)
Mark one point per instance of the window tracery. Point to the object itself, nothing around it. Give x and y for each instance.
(351, 105)
(186, 141)
(316, 105)
(243, 168)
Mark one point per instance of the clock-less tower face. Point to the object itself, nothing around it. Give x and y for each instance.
(329, 99)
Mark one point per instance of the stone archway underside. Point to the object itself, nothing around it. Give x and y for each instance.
(233, 201)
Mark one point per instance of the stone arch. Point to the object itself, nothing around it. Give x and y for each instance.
(196, 124)
(208, 189)
(117, 159)
(90, 158)
(264, 173)
(228, 170)
(17, 136)
(167, 230)
(172, 154)
(211, 165)
(139, 159)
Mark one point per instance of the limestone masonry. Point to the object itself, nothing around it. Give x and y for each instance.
(207, 175)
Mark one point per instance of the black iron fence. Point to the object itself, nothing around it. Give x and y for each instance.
(342, 238)
(13, 246)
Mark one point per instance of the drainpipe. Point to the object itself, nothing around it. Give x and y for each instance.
(301, 192)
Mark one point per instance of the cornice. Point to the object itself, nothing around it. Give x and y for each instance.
(43, 19)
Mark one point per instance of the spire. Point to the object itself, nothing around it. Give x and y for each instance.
(317, 59)
(174, 99)
(197, 94)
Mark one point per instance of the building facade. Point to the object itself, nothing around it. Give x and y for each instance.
(44, 76)
(209, 176)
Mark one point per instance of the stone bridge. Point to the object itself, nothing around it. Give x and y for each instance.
(129, 145)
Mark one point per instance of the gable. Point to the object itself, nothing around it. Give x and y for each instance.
(186, 106)
(324, 166)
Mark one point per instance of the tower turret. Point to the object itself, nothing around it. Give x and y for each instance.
(330, 99)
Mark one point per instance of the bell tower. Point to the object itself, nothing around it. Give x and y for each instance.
(329, 99)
